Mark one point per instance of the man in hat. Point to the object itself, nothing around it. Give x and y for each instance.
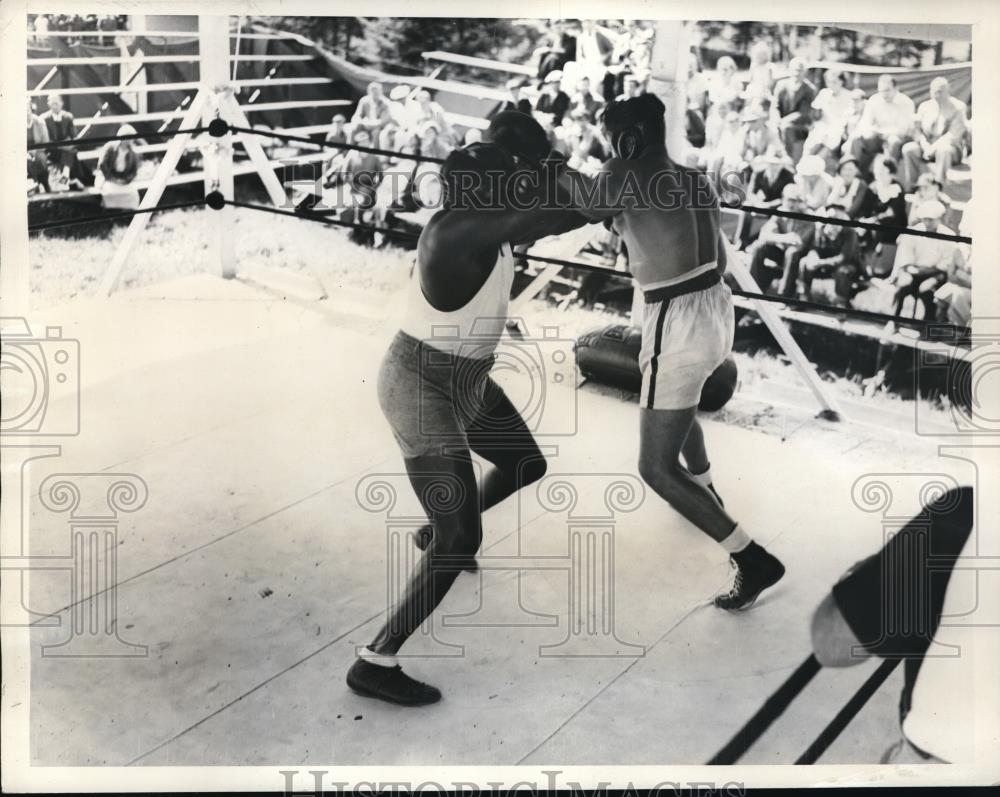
(816, 184)
(781, 241)
(553, 102)
(922, 264)
(831, 250)
(517, 101)
(849, 190)
(769, 177)
(884, 126)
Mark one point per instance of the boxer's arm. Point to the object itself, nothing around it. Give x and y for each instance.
(595, 198)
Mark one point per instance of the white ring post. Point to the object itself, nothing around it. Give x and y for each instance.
(214, 50)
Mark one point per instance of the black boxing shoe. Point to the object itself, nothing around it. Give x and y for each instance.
(390, 684)
(756, 570)
(423, 538)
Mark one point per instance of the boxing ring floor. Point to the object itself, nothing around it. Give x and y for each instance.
(257, 565)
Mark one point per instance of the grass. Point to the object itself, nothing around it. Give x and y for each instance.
(178, 243)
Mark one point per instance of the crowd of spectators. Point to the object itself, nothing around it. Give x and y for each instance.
(827, 148)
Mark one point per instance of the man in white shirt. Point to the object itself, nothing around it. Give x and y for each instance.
(885, 124)
(938, 136)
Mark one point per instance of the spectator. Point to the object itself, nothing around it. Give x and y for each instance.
(928, 188)
(922, 264)
(859, 101)
(634, 85)
(727, 156)
(118, 166)
(60, 127)
(585, 99)
(558, 49)
(761, 76)
(767, 185)
(38, 163)
(724, 86)
(714, 125)
(517, 101)
(938, 135)
(810, 174)
(793, 99)
(953, 300)
(373, 112)
(588, 148)
(891, 604)
(832, 251)
(346, 170)
(835, 105)
(697, 87)
(426, 110)
(781, 242)
(884, 125)
(593, 46)
(888, 208)
(337, 133)
(849, 190)
(757, 135)
(553, 102)
(432, 143)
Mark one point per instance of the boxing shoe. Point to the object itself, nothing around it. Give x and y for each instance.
(390, 684)
(756, 570)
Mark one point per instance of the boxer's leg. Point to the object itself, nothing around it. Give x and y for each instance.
(446, 487)
(499, 435)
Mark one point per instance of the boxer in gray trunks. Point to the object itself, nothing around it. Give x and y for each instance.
(435, 389)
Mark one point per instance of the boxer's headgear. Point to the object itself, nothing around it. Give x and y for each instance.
(635, 123)
(520, 135)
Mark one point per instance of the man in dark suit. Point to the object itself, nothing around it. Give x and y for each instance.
(793, 98)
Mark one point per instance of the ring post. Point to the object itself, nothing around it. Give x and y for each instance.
(213, 48)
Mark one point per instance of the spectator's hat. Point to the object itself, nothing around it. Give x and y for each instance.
(845, 160)
(837, 206)
(516, 83)
(931, 209)
(339, 117)
(792, 191)
(555, 76)
(399, 92)
(927, 179)
(769, 158)
(811, 166)
(753, 114)
(126, 130)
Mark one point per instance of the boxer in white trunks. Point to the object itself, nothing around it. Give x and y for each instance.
(668, 216)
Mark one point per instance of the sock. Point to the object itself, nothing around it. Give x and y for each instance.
(737, 541)
(704, 479)
(381, 660)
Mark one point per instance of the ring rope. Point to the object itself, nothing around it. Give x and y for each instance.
(310, 215)
(76, 142)
(51, 225)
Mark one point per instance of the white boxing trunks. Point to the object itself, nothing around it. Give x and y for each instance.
(687, 332)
